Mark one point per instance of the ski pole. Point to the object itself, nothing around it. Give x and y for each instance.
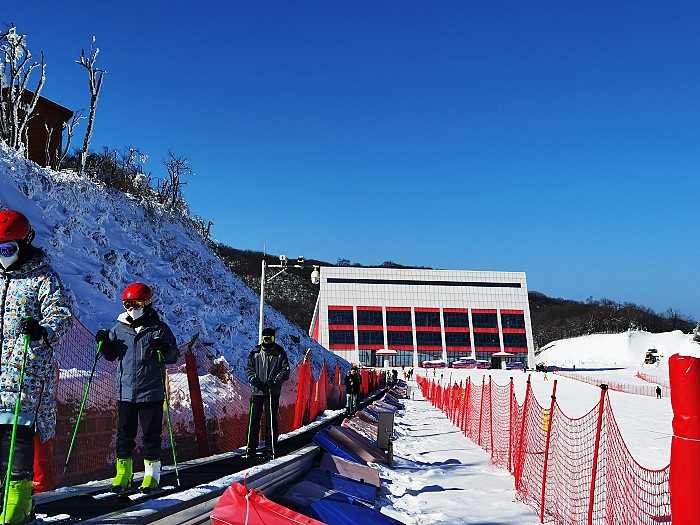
(83, 401)
(167, 414)
(13, 439)
(272, 428)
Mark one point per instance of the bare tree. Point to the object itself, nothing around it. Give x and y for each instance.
(16, 68)
(95, 76)
(69, 129)
(170, 189)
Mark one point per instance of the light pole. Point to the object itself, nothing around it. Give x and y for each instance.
(284, 265)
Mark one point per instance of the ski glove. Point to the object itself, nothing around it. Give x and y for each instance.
(256, 383)
(155, 347)
(31, 327)
(102, 336)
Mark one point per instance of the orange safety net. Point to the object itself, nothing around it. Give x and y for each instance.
(571, 470)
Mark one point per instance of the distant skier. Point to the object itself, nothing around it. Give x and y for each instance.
(267, 369)
(142, 344)
(394, 376)
(32, 304)
(658, 392)
(352, 390)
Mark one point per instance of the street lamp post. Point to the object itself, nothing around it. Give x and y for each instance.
(284, 265)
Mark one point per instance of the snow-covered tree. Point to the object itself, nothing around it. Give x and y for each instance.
(17, 101)
(95, 76)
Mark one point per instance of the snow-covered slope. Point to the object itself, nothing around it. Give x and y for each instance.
(625, 350)
(99, 239)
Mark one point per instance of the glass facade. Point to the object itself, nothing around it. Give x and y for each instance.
(403, 358)
(453, 356)
(457, 339)
(482, 320)
(456, 319)
(370, 337)
(398, 318)
(487, 339)
(368, 358)
(343, 317)
(342, 337)
(369, 318)
(429, 339)
(400, 338)
(513, 321)
(427, 319)
(514, 341)
(428, 356)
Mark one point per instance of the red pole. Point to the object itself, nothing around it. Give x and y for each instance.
(200, 425)
(510, 427)
(491, 415)
(684, 372)
(520, 459)
(596, 449)
(546, 449)
(465, 419)
(481, 406)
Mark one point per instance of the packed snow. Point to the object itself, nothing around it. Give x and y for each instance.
(440, 476)
(99, 239)
(623, 350)
(645, 422)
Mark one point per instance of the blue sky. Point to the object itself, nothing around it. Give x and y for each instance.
(561, 141)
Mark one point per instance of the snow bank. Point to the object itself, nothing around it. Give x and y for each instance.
(99, 239)
(624, 350)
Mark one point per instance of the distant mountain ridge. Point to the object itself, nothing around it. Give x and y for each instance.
(552, 318)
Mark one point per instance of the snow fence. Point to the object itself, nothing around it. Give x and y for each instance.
(571, 470)
(618, 384)
(209, 407)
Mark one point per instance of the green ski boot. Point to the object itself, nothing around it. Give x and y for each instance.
(19, 503)
(151, 475)
(125, 474)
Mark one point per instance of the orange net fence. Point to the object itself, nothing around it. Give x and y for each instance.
(570, 470)
(640, 388)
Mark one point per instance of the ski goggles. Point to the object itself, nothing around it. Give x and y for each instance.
(268, 339)
(132, 304)
(8, 249)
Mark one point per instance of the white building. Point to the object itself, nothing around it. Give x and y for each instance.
(422, 314)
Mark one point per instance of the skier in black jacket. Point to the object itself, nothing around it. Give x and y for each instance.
(352, 390)
(267, 369)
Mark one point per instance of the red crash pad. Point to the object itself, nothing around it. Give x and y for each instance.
(238, 506)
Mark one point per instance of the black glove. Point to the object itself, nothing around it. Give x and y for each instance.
(102, 336)
(156, 348)
(256, 383)
(31, 327)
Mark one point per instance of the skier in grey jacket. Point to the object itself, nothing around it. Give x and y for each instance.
(31, 304)
(143, 344)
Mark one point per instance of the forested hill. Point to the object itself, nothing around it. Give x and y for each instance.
(552, 318)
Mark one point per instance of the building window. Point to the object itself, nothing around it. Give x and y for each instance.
(480, 320)
(369, 318)
(343, 317)
(484, 356)
(429, 339)
(512, 320)
(453, 356)
(368, 358)
(398, 318)
(428, 356)
(403, 358)
(486, 339)
(400, 338)
(457, 339)
(370, 337)
(341, 337)
(514, 341)
(427, 318)
(456, 319)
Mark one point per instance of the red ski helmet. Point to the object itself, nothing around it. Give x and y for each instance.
(137, 292)
(14, 226)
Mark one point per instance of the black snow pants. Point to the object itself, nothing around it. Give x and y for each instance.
(150, 415)
(258, 405)
(23, 462)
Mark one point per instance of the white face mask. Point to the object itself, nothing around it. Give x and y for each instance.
(9, 261)
(135, 313)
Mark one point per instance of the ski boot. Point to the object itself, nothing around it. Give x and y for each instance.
(19, 503)
(125, 474)
(151, 475)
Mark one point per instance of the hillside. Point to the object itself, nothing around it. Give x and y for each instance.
(98, 239)
(552, 318)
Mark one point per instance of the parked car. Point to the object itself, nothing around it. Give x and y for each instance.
(437, 363)
(464, 362)
(515, 365)
(482, 363)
